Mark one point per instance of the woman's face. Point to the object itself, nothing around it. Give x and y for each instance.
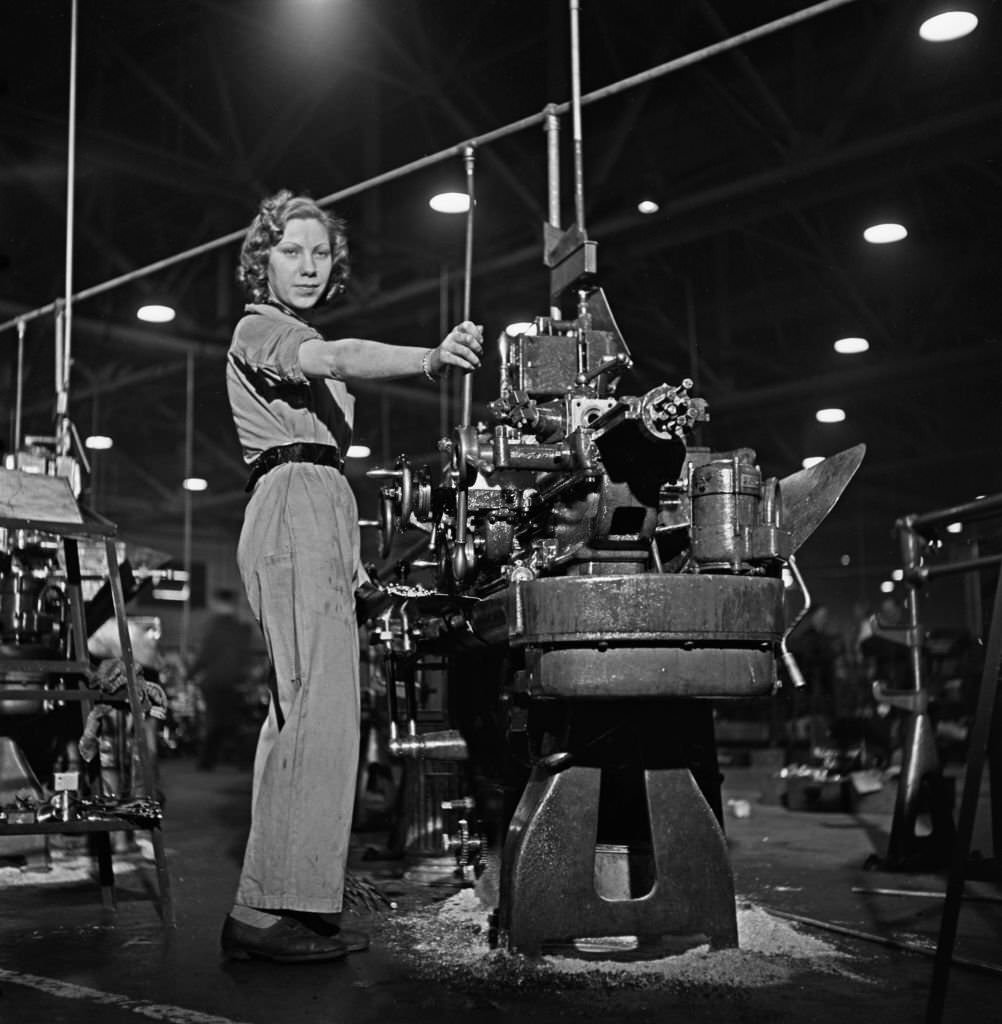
(299, 264)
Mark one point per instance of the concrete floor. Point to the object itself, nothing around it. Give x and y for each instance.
(66, 960)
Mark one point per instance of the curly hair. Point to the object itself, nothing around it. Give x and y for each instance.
(266, 231)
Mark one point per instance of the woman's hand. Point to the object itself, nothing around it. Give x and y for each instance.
(462, 347)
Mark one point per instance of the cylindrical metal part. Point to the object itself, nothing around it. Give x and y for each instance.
(444, 745)
(667, 608)
(552, 128)
(63, 436)
(646, 635)
(725, 499)
(579, 214)
(911, 555)
(468, 161)
(20, 385)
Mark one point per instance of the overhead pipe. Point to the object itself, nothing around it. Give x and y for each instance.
(631, 82)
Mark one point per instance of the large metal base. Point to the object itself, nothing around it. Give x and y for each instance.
(548, 892)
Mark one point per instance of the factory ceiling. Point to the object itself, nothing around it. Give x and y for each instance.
(766, 161)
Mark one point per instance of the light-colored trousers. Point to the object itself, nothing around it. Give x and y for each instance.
(298, 556)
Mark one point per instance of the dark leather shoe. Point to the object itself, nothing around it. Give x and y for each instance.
(328, 925)
(286, 942)
(355, 941)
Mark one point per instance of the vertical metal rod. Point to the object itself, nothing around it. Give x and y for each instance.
(460, 562)
(468, 161)
(392, 697)
(552, 128)
(189, 435)
(62, 396)
(974, 611)
(21, 327)
(579, 214)
(911, 556)
(140, 752)
(977, 751)
(443, 381)
(59, 333)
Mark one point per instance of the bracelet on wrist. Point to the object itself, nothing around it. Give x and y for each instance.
(426, 367)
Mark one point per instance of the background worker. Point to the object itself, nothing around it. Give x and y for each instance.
(219, 671)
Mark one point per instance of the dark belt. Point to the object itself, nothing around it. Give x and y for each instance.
(301, 451)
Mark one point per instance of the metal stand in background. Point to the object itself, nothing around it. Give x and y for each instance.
(64, 521)
(922, 789)
(983, 743)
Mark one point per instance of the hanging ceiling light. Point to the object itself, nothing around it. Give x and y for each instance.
(648, 206)
(948, 25)
(882, 234)
(98, 442)
(851, 346)
(450, 202)
(195, 483)
(155, 313)
(833, 415)
(358, 451)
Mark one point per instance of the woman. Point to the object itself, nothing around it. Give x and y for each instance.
(299, 559)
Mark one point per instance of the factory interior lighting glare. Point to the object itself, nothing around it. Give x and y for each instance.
(851, 346)
(98, 442)
(155, 313)
(887, 587)
(955, 528)
(882, 234)
(830, 415)
(194, 483)
(648, 206)
(812, 460)
(358, 451)
(898, 575)
(520, 327)
(949, 25)
(450, 202)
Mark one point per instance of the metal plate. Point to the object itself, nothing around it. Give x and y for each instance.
(808, 495)
(658, 671)
(651, 608)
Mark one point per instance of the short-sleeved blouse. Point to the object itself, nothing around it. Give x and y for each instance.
(272, 400)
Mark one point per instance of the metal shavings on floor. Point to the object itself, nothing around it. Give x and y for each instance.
(448, 942)
(68, 867)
